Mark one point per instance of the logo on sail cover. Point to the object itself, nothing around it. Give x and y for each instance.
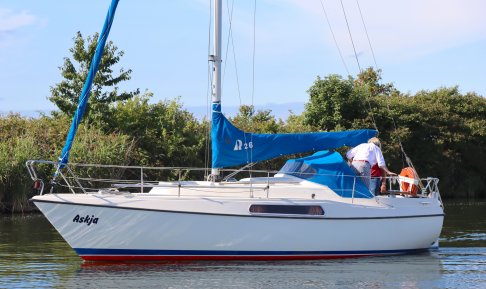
(239, 145)
(87, 220)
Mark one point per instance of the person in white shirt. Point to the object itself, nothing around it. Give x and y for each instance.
(364, 156)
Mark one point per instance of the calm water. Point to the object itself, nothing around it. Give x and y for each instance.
(33, 255)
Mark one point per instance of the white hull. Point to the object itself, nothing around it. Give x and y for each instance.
(157, 227)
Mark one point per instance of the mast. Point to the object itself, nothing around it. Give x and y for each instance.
(216, 56)
(216, 59)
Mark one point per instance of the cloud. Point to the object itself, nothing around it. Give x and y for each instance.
(11, 22)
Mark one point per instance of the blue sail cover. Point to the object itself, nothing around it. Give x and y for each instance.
(232, 146)
(328, 168)
(83, 99)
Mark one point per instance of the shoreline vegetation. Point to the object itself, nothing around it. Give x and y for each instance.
(442, 131)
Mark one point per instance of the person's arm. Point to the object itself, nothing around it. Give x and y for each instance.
(384, 172)
(387, 171)
(383, 181)
(381, 162)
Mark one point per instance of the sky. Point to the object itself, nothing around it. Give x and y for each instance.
(418, 44)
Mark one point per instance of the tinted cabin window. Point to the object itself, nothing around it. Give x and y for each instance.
(287, 209)
(298, 169)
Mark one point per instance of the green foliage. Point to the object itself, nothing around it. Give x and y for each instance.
(65, 94)
(370, 81)
(442, 131)
(139, 133)
(13, 176)
(165, 134)
(295, 124)
(334, 104)
(260, 121)
(23, 139)
(92, 146)
(447, 137)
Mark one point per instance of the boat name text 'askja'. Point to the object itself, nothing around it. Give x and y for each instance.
(88, 220)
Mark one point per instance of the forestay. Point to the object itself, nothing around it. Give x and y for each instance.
(84, 97)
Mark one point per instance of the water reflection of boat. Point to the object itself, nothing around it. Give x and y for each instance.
(313, 208)
(416, 271)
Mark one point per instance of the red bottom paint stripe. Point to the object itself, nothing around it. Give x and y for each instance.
(126, 258)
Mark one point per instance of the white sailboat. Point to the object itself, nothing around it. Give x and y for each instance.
(314, 207)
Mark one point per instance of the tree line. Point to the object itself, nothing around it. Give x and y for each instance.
(442, 131)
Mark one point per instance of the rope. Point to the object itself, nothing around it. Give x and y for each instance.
(366, 31)
(253, 85)
(208, 96)
(350, 36)
(355, 54)
(334, 37)
(359, 66)
(371, 112)
(407, 159)
(395, 129)
(230, 37)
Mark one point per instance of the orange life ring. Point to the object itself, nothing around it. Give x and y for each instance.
(408, 172)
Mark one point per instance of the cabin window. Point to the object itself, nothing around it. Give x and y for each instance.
(287, 209)
(298, 169)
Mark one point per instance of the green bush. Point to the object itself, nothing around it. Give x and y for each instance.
(15, 184)
(24, 139)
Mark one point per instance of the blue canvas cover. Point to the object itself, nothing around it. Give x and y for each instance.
(83, 98)
(232, 146)
(328, 168)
